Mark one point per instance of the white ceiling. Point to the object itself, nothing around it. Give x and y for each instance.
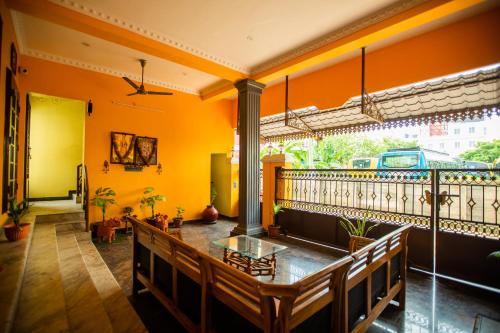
(246, 35)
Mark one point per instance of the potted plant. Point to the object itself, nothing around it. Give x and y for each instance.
(16, 230)
(210, 214)
(161, 222)
(103, 198)
(127, 211)
(178, 218)
(149, 200)
(274, 229)
(357, 231)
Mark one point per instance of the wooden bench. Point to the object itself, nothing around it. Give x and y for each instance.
(206, 295)
(377, 277)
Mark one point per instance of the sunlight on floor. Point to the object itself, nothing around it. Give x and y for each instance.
(55, 207)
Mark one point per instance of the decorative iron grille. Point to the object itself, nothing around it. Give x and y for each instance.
(467, 201)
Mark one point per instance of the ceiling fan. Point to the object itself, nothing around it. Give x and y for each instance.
(140, 89)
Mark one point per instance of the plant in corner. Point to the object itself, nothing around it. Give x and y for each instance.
(274, 229)
(357, 231)
(104, 197)
(210, 214)
(16, 230)
(149, 200)
(178, 218)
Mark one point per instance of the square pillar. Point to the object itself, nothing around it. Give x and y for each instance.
(270, 163)
(249, 92)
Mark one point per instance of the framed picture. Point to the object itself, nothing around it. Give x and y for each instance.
(13, 58)
(122, 148)
(146, 151)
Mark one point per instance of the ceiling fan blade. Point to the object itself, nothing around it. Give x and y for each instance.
(132, 83)
(159, 93)
(132, 94)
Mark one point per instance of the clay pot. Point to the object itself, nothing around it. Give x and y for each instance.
(177, 222)
(161, 222)
(274, 231)
(210, 214)
(15, 233)
(106, 233)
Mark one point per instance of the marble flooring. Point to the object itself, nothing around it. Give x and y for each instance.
(433, 305)
(67, 287)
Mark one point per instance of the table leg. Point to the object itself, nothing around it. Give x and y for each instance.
(273, 266)
(249, 265)
(225, 256)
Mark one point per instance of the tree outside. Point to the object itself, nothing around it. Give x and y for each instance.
(334, 151)
(483, 152)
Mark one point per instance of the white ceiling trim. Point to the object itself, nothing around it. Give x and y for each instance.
(19, 30)
(349, 29)
(105, 70)
(73, 5)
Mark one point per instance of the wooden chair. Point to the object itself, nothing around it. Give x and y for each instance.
(321, 292)
(238, 292)
(377, 276)
(171, 270)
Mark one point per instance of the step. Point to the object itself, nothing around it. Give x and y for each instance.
(123, 317)
(84, 307)
(41, 306)
(61, 218)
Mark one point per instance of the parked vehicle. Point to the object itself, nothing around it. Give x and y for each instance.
(477, 165)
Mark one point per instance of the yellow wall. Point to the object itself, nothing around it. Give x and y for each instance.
(188, 132)
(56, 140)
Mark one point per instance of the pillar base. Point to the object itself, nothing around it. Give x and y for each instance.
(253, 232)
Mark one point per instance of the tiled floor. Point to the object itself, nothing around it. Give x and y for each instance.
(433, 305)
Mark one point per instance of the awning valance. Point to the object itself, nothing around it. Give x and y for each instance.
(468, 95)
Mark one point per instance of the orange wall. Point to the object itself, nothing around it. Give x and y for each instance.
(188, 131)
(8, 37)
(466, 44)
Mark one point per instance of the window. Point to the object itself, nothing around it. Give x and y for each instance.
(400, 161)
(472, 130)
(456, 131)
(414, 136)
(485, 131)
(472, 144)
(457, 144)
(441, 145)
(407, 136)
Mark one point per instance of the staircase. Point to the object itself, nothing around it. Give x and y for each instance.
(67, 287)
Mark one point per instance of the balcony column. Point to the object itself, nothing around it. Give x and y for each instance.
(249, 92)
(270, 163)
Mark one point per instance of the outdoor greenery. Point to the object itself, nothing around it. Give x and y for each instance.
(335, 151)
(276, 210)
(484, 152)
(103, 198)
(180, 210)
(150, 200)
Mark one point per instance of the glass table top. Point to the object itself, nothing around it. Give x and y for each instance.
(249, 246)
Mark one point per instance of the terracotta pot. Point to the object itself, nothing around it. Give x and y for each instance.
(106, 232)
(274, 231)
(161, 222)
(177, 222)
(15, 233)
(210, 214)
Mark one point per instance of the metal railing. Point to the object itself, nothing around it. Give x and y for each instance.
(467, 201)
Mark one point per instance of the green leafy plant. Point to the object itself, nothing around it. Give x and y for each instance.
(357, 228)
(276, 210)
(213, 194)
(150, 200)
(103, 198)
(15, 212)
(128, 210)
(180, 211)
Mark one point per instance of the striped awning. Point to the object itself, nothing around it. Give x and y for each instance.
(468, 95)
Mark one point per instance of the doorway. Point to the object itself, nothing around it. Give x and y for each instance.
(55, 149)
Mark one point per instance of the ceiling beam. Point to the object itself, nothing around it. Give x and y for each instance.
(60, 15)
(412, 18)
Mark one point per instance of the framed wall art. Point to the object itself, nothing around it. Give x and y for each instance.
(122, 148)
(146, 151)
